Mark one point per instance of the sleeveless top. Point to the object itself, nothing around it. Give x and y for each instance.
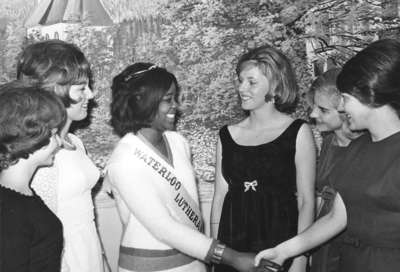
(260, 207)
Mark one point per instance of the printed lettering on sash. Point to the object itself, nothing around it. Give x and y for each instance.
(185, 207)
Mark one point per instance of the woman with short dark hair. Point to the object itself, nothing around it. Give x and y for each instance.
(153, 180)
(31, 236)
(368, 180)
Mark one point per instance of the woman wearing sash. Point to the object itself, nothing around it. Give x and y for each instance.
(368, 185)
(264, 187)
(153, 181)
(62, 68)
(31, 238)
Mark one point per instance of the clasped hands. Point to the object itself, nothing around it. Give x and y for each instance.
(265, 261)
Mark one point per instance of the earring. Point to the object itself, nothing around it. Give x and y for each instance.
(269, 98)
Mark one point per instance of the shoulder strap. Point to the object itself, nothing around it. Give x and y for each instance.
(290, 134)
(225, 137)
(223, 133)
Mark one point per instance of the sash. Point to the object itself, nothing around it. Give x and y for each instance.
(183, 205)
(138, 259)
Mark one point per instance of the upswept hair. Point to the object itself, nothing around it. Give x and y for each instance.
(278, 70)
(55, 65)
(28, 114)
(372, 75)
(136, 94)
(326, 84)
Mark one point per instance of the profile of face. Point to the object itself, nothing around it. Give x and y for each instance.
(81, 93)
(253, 86)
(325, 114)
(45, 155)
(167, 109)
(357, 112)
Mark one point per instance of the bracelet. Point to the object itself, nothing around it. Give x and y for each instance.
(215, 252)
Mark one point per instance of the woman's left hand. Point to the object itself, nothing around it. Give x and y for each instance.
(268, 266)
(271, 254)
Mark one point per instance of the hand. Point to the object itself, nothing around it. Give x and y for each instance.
(271, 254)
(268, 266)
(244, 262)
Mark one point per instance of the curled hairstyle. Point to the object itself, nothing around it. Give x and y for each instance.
(276, 67)
(28, 115)
(136, 94)
(326, 84)
(372, 75)
(55, 65)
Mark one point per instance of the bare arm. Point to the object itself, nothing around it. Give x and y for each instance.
(220, 190)
(305, 180)
(143, 200)
(321, 231)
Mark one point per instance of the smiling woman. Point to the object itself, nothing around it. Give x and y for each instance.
(367, 176)
(332, 122)
(31, 236)
(61, 68)
(153, 180)
(81, 93)
(264, 187)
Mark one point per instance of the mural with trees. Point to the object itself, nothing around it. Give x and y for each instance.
(200, 41)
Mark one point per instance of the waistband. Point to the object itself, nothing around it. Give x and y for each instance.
(138, 259)
(255, 186)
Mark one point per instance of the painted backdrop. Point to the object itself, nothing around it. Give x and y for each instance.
(200, 41)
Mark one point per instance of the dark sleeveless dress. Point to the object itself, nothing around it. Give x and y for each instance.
(260, 207)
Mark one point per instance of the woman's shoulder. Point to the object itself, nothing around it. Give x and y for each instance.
(123, 148)
(175, 135)
(238, 125)
(177, 138)
(76, 140)
(293, 128)
(235, 128)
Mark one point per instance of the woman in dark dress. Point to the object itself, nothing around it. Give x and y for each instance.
(30, 234)
(368, 185)
(331, 122)
(264, 191)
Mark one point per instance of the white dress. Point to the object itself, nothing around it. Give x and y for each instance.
(66, 189)
(140, 249)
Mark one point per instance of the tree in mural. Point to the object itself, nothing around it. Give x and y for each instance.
(203, 39)
(336, 29)
(12, 33)
(200, 41)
